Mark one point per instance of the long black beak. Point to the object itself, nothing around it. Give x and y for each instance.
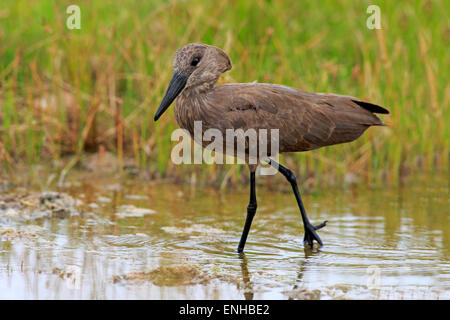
(176, 85)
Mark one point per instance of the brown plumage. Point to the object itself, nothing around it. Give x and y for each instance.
(306, 121)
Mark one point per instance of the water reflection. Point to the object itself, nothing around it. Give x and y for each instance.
(401, 233)
(248, 287)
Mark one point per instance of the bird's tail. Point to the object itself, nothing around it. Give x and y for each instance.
(371, 107)
(374, 109)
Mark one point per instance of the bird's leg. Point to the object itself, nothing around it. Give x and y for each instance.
(251, 210)
(310, 230)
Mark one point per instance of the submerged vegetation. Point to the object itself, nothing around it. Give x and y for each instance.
(67, 93)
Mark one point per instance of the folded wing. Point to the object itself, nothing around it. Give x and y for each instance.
(305, 120)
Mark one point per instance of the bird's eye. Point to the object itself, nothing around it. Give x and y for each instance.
(195, 61)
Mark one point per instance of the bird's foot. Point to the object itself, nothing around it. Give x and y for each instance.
(311, 234)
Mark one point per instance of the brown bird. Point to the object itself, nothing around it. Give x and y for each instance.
(306, 121)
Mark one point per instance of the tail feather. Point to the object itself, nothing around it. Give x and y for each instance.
(371, 107)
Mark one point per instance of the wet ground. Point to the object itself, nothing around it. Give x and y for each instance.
(100, 238)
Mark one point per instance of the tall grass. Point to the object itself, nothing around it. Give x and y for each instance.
(67, 92)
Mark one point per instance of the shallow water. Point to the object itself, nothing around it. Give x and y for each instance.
(124, 237)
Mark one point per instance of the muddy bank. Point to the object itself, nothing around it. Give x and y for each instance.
(33, 205)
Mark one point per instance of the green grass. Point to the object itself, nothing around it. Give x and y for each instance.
(66, 92)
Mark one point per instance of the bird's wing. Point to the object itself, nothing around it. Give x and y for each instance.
(305, 120)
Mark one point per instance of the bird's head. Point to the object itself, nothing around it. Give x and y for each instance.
(195, 66)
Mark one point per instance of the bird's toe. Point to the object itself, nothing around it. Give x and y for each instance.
(311, 234)
(320, 226)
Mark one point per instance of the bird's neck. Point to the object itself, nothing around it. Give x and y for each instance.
(199, 89)
(188, 105)
(191, 96)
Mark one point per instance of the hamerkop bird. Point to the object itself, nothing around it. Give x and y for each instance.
(306, 121)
